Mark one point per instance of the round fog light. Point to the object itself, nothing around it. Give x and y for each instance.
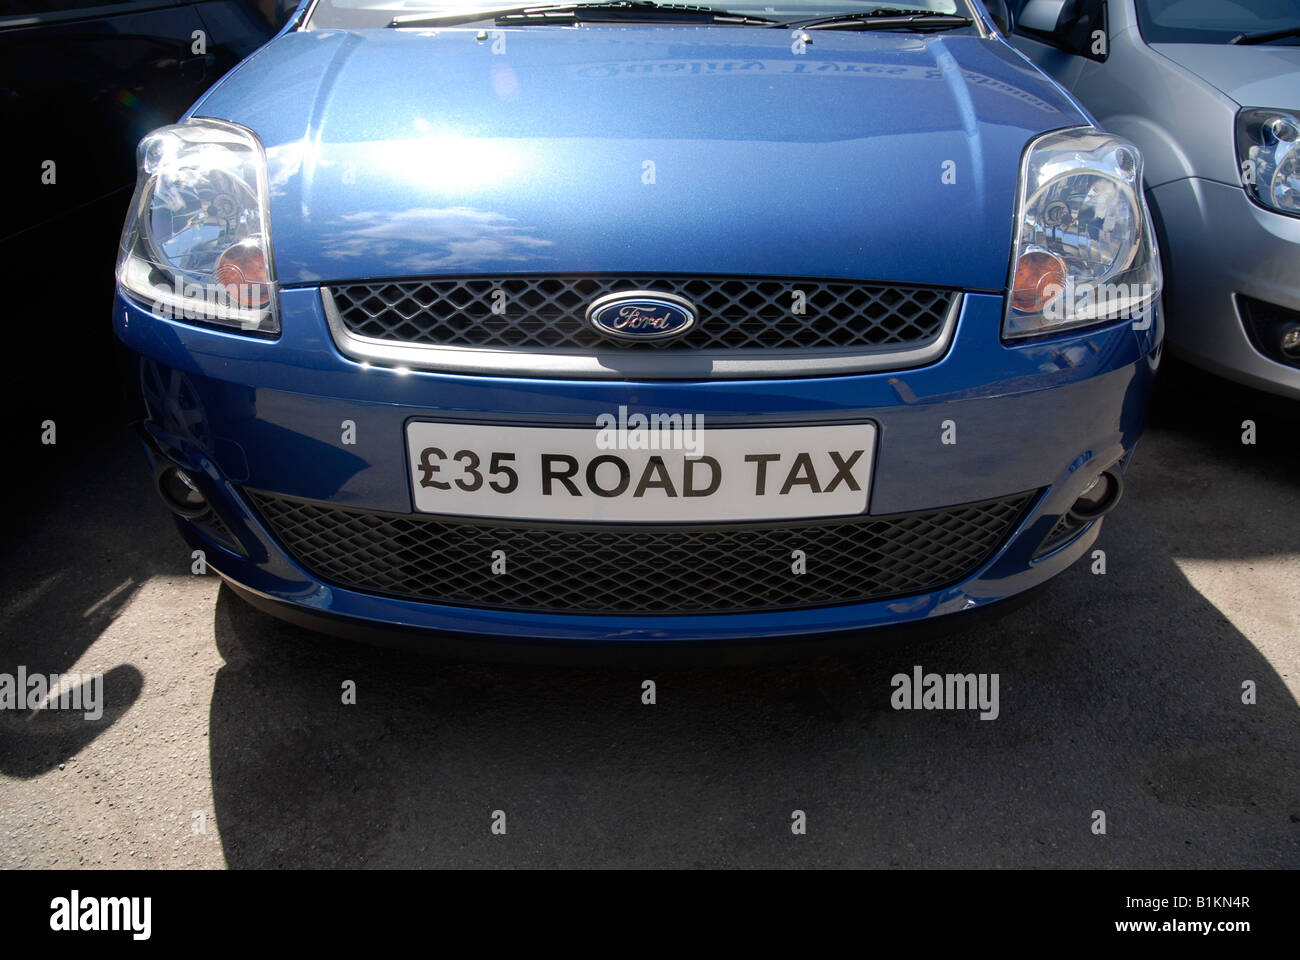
(1099, 497)
(179, 492)
(1290, 342)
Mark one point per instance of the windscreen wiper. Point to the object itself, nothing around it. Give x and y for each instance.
(613, 10)
(883, 19)
(1268, 37)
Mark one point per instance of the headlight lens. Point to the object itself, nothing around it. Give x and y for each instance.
(1268, 156)
(1084, 250)
(196, 243)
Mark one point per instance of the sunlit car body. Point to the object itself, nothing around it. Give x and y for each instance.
(1219, 124)
(407, 430)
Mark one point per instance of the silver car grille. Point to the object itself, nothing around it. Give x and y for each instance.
(535, 324)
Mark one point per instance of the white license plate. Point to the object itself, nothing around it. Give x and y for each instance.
(548, 473)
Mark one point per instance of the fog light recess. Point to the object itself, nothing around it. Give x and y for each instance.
(179, 492)
(1099, 497)
(1289, 343)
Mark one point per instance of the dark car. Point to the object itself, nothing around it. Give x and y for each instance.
(81, 81)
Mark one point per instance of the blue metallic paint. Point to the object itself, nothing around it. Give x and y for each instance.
(829, 164)
(1031, 415)
(417, 152)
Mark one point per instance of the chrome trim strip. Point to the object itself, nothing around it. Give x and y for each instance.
(636, 365)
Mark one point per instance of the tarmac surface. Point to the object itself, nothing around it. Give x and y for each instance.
(224, 740)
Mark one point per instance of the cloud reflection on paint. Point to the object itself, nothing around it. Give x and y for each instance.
(447, 238)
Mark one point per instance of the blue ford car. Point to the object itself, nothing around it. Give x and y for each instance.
(624, 322)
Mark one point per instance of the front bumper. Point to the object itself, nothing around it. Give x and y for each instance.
(1218, 248)
(243, 414)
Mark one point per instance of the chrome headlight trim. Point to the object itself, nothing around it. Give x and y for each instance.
(196, 244)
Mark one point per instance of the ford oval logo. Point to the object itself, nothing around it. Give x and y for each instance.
(641, 315)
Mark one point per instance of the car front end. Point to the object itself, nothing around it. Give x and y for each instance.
(639, 332)
(1210, 96)
(1233, 249)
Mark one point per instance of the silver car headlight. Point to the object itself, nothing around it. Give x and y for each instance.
(1084, 250)
(196, 245)
(1268, 156)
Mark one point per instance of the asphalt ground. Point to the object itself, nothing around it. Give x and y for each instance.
(225, 742)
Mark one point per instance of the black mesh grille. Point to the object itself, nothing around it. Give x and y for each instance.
(640, 569)
(216, 528)
(1065, 530)
(548, 312)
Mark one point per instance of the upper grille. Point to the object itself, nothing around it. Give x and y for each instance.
(735, 313)
(628, 569)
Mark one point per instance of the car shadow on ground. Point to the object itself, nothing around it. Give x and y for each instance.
(1120, 693)
(70, 570)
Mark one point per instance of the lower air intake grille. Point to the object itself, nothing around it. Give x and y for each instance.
(626, 569)
(1066, 529)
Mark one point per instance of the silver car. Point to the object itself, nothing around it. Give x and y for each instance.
(1210, 91)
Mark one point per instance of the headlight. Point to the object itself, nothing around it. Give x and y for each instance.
(1084, 250)
(196, 244)
(1268, 156)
